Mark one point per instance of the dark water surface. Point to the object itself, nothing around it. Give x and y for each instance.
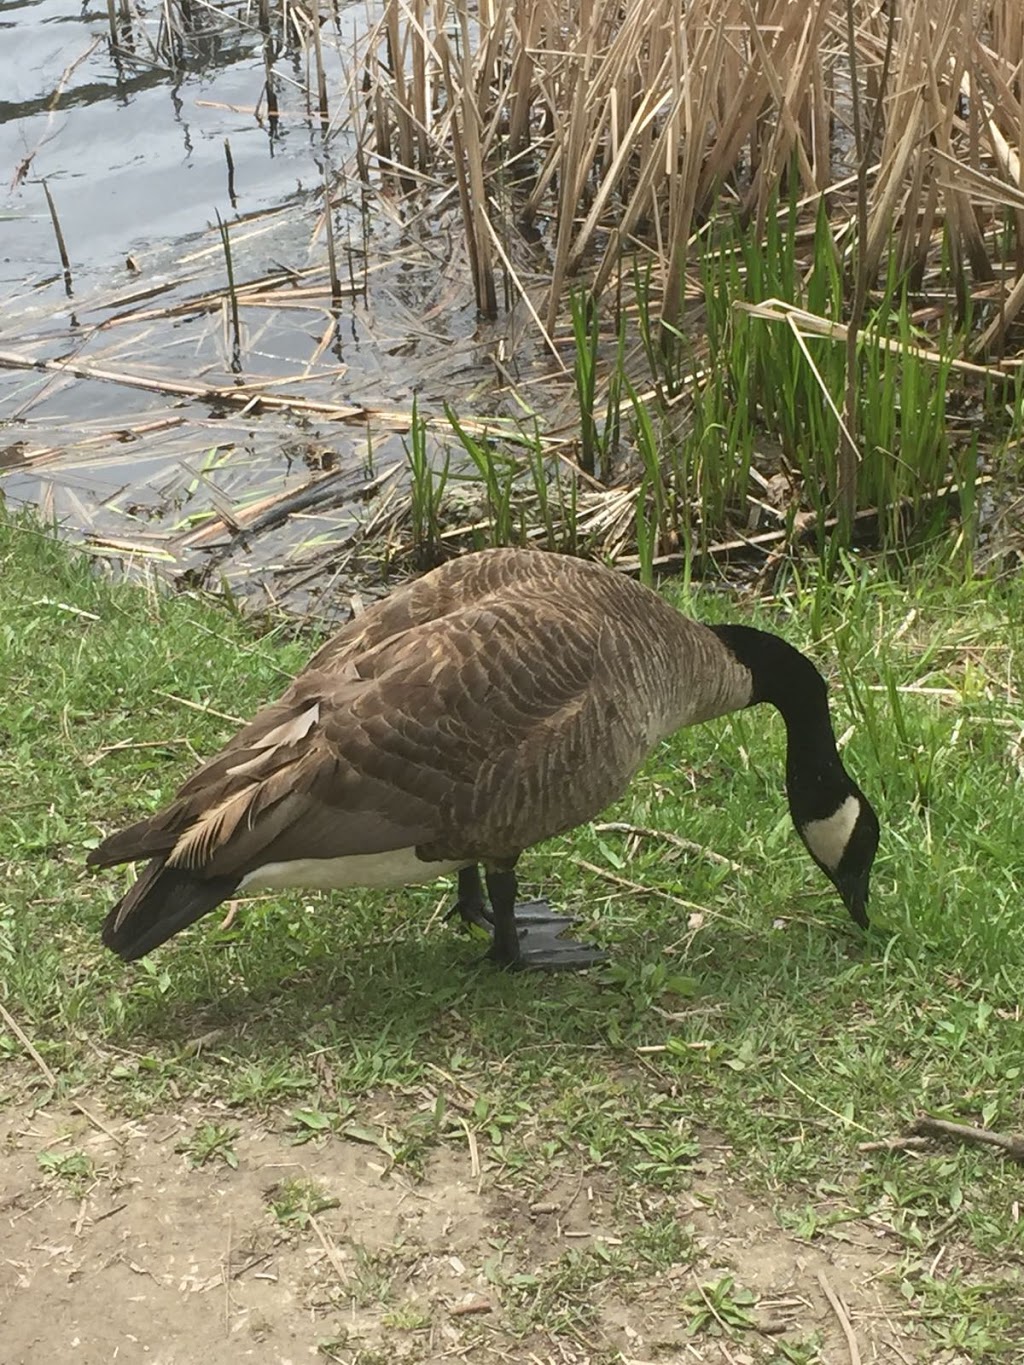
(133, 155)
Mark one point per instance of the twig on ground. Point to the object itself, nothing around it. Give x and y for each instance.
(475, 1305)
(847, 1122)
(97, 1123)
(228, 1278)
(688, 846)
(198, 706)
(251, 1264)
(474, 1150)
(896, 1144)
(925, 1129)
(840, 1312)
(713, 1311)
(926, 1126)
(109, 1213)
(330, 1249)
(229, 918)
(49, 1076)
(194, 1046)
(28, 1045)
(629, 885)
(124, 744)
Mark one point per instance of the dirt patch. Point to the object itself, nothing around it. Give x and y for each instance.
(117, 1247)
(795, 1281)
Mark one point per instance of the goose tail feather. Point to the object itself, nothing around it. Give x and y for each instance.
(163, 901)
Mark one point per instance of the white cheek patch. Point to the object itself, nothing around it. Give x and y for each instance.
(827, 839)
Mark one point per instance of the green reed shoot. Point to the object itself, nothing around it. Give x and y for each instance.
(426, 488)
(497, 473)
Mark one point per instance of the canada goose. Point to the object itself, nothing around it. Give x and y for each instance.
(502, 699)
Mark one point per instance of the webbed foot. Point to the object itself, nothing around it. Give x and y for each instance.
(524, 936)
(540, 945)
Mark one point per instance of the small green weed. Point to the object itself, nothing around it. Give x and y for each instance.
(719, 1308)
(294, 1202)
(407, 1317)
(74, 1169)
(211, 1142)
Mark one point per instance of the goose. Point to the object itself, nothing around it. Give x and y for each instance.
(499, 700)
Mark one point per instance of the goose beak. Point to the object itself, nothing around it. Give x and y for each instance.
(853, 887)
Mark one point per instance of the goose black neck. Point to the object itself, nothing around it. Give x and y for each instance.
(815, 778)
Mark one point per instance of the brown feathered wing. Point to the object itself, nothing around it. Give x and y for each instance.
(459, 737)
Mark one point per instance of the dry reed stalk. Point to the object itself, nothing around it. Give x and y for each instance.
(573, 157)
(401, 108)
(526, 22)
(787, 86)
(421, 83)
(809, 324)
(682, 187)
(59, 235)
(101, 442)
(929, 44)
(641, 117)
(472, 137)
(321, 73)
(469, 171)
(328, 224)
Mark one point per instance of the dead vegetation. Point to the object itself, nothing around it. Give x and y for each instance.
(628, 128)
(754, 273)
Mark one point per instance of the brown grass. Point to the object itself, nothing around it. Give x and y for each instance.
(619, 133)
(627, 125)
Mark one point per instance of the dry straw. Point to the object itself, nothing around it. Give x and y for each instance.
(627, 125)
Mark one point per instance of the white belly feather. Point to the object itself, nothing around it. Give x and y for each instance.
(400, 867)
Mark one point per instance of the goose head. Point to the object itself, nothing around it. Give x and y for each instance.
(832, 815)
(843, 843)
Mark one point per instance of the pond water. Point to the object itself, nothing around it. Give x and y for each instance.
(133, 153)
(125, 413)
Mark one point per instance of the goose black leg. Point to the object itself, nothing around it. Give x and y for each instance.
(529, 934)
(471, 907)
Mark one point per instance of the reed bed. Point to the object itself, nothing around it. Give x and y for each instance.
(756, 269)
(626, 127)
(780, 209)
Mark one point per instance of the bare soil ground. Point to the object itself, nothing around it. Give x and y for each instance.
(144, 1257)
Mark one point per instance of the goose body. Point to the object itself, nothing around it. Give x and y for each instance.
(500, 700)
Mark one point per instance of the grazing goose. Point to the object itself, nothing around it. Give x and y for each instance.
(502, 699)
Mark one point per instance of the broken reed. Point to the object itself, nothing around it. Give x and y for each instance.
(58, 233)
(626, 126)
(232, 296)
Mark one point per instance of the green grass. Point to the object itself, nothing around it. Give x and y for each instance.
(770, 395)
(743, 1000)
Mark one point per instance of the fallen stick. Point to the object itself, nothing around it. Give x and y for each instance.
(835, 1303)
(896, 1144)
(926, 1126)
(29, 1046)
(687, 845)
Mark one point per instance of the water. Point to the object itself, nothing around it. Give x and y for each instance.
(133, 154)
(134, 158)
